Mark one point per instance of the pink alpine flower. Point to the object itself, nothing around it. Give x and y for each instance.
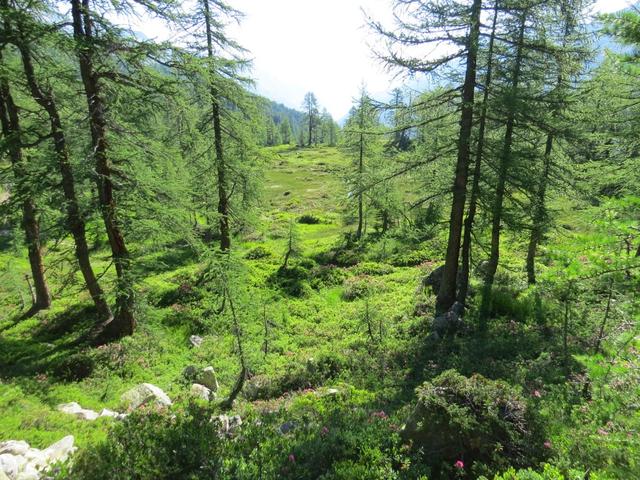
(324, 431)
(547, 444)
(292, 458)
(536, 393)
(459, 464)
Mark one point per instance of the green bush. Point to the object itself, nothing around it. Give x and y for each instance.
(294, 279)
(372, 268)
(309, 219)
(483, 424)
(410, 259)
(327, 276)
(297, 376)
(360, 287)
(258, 253)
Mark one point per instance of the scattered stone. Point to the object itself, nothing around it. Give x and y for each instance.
(190, 372)
(74, 408)
(28, 463)
(105, 412)
(201, 391)
(434, 279)
(60, 451)
(208, 379)
(14, 447)
(195, 341)
(287, 427)
(448, 322)
(11, 464)
(228, 425)
(144, 394)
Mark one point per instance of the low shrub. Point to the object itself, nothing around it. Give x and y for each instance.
(309, 219)
(327, 435)
(472, 423)
(372, 268)
(360, 287)
(258, 253)
(327, 276)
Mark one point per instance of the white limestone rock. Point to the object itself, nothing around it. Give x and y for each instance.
(144, 394)
(61, 450)
(201, 391)
(73, 408)
(14, 447)
(208, 379)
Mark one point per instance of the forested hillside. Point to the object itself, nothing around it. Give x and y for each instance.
(198, 282)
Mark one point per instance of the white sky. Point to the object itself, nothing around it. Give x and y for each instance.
(320, 46)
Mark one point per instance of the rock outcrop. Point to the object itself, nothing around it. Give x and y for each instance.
(19, 461)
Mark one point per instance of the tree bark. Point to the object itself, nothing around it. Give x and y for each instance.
(74, 219)
(463, 287)
(10, 120)
(447, 293)
(221, 171)
(123, 323)
(503, 170)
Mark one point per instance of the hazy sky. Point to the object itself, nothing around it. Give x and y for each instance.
(320, 46)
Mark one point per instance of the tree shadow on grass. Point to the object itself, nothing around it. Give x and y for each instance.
(520, 353)
(52, 347)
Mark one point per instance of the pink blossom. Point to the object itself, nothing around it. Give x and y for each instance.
(459, 464)
(324, 430)
(379, 414)
(547, 444)
(536, 393)
(292, 458)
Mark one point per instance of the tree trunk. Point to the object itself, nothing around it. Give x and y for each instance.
(503, 170)
(540, 214)
(540, 211)
(223, 198)
(465, 268)
(10, 121)
(123, 323)
(447, 293)
(360, 171)
(74, 219)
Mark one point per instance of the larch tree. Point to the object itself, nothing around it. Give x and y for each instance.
(13, 144)
(421, 25)
(312, 117)
(23, 30)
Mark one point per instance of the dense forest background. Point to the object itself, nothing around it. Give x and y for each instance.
(443, 286)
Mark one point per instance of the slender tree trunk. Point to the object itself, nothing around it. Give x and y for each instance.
(221, 170)
(310, 126)
(465, 268)
(9, 118)
(503, 170)
(360, 172)
(447, 293)
(74, 219)
(540, 214)
(123, 323)
(540, 211)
